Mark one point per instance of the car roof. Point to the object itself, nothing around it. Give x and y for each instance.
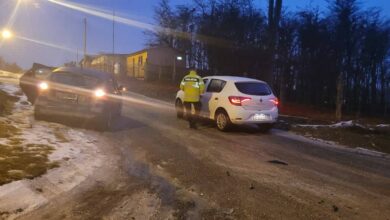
(233, 78)
(85, 71)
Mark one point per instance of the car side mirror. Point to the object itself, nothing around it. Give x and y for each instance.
(122, 88)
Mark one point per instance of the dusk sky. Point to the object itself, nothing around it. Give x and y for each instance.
(51, 34)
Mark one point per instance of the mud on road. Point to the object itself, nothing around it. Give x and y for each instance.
(157, 168)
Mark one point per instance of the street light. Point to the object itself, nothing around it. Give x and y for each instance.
(179, 58)
(6, 34)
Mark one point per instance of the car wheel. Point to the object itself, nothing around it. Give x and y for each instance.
(179, 109)
(119, 112)
(105, 122)
(222, 120)
(265, 128)
(37, 114)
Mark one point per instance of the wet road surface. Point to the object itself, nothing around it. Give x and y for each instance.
(158, 168)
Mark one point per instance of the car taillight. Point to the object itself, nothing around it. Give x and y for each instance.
(43, 86)
(238, 100)
(99, 93)
(275, 101)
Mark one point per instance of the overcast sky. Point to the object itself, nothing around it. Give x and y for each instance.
(51, 34)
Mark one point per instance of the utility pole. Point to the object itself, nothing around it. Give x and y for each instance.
(85, 38)
(174, 69)
(113, 27)
(113, 36)
(77, 57)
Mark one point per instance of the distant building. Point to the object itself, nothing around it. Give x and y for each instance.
(86, 61)
(111, 63)
(156, 63)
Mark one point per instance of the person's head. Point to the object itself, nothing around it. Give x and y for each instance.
(193, 72)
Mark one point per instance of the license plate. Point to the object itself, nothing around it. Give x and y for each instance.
(67, 96)
(261, 117)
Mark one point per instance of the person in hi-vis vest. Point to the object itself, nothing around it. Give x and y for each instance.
(193, 87)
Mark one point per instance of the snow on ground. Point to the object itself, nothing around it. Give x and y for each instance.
(75, 151)
(342, 124)
(10, 89)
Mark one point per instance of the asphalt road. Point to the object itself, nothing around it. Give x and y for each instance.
(158, 168)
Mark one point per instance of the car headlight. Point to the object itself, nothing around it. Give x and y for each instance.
(100, 93)
(43, 86)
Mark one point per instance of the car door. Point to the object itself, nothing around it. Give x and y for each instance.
(212, 97)
(204, 99)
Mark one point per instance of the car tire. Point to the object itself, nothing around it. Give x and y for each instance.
(104, 123)
(222, 120)
(37, 114)
(179, 109)
(119, 111)
(265, 128)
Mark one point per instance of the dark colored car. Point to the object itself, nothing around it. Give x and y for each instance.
(80, 93)
(30, 79)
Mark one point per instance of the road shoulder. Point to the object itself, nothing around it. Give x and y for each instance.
(72, 156)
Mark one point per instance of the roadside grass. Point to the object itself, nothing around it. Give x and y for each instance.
(7, 130)
(316, 115)
(19, 162)
(6, 103)
(15, 141)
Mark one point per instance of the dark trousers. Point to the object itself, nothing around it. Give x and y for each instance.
(192, 118)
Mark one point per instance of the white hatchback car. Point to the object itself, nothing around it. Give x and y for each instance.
(235, 100)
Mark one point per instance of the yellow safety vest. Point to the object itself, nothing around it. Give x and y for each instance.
(193, 87)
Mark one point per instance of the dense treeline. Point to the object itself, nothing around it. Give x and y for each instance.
(338, 58)
(10, 67)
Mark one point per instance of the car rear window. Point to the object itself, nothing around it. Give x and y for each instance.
(253, 88)
(76, 80)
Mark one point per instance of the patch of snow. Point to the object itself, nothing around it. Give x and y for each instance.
(78, 159)
(323, 141)
(9, 88)
(342, 124)
(25, 194)
(3, 141)
(370, 152)
(383, 125)
(20, 108)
